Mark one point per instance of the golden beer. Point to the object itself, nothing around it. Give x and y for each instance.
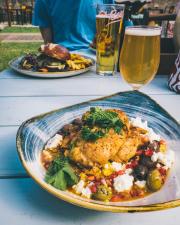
(140, 55)
(108, 27)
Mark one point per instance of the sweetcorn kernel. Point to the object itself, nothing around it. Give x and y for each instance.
(163, 147)
(83, 176)
(95, 171)
(107, 172)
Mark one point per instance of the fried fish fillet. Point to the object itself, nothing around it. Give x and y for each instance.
(129, 148)
(100, 152)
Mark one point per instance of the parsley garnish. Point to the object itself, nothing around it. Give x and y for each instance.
(89, 135)
(102, 119)
(60, 174)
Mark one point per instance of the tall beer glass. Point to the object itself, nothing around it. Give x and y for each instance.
(108, 27)
(140, 55)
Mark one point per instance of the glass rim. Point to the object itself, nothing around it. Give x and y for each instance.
(144, 27)
(143, 30)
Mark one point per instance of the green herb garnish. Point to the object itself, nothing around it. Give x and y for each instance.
(89, 135)
(60, 174)
(102, 119)
(72, 145)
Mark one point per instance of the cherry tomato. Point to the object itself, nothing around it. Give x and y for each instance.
(162, 171)
(113, 176)
(93, 188)
(128, 166)
(120, 172)
(149, 152)
(134, 163)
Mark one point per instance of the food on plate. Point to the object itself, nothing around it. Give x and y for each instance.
(55, 51)
(106, 156)
(54, 58)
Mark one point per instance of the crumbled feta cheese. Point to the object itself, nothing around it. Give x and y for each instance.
(137, 122)
(128, 171)
(140, 183)
(79, 187)
(161, 157)
(158, 165)
(123, 182)
(166, 159)
(152, 135)
(117, 166)
(154, 157)
(54, 142)
(86, 192)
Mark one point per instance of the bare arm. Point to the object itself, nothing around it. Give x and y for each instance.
(46, 35)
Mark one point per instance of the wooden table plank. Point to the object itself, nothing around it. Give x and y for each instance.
(24, 202)
(15, 110)
(80, 85)
(10, 165)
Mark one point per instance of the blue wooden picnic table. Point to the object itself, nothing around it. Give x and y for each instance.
(22, 201)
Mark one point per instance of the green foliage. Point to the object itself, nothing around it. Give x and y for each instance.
(60, 174)
(20, 30)
(8, 51)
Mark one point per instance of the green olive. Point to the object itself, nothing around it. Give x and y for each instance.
(103, 193)
(154, 180)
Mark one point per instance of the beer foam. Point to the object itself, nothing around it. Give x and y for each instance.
(112, 16)
(143, 32)
(105, 16)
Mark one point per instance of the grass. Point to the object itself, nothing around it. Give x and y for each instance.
(9, 51)
(20, 30)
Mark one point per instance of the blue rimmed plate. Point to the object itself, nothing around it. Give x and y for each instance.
(35, 132)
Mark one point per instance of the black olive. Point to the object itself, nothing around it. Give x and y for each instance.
(76, 128)
(154, 145)
(77, 122)
(140, 172)
(144, 146)
(146, 161)
(66, 129)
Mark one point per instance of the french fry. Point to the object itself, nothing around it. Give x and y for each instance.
(78, 62)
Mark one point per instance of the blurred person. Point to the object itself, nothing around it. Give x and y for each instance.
(71, 23)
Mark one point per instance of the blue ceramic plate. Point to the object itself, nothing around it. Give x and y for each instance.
(35, 132)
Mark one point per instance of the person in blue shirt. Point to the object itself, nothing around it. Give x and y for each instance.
(70, 23)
